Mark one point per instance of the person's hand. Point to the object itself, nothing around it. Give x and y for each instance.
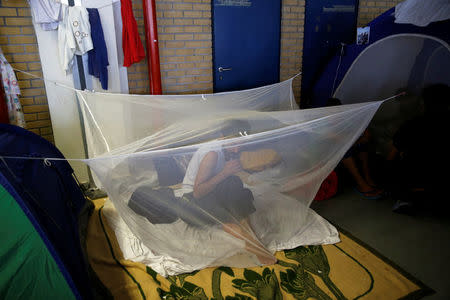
(232, 167)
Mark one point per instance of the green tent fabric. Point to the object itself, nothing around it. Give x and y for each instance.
(27, 269)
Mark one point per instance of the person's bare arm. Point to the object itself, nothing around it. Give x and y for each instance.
(205, 182)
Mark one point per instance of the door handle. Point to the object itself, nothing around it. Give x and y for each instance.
(223, 69)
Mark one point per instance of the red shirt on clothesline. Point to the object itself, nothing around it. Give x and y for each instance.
(133, 50)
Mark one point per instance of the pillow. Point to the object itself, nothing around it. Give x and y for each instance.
(255, 161)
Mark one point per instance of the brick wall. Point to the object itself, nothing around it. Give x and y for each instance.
(291, 52)
(185, 45)
(18, 42)
(370, 9)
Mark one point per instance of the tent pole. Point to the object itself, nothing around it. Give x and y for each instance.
(151, 42)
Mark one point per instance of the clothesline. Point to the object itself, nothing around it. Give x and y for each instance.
(47, 80)
(102, 6)
(81, 5)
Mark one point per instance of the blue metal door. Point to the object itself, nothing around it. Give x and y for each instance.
(246, 43)
(328, 23)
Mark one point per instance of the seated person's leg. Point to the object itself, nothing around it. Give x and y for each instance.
(238, 204)
(228, 202)
(363, 156)
(236, 199)
(364, 182)
(361, 184)
(159, 206)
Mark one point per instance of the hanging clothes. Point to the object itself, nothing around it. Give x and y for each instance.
(74, 35)
(46, 13)
(133, 50)
(98, 56)
(11, 90)
(4, 116)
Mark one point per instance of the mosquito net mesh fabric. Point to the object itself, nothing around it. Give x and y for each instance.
(221, 179)
(123, 123)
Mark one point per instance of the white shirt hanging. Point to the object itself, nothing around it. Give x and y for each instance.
(74, 35)
(46, 13)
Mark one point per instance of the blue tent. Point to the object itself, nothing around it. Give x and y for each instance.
(381, 28)
(41, 254)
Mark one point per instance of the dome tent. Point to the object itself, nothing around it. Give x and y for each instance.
(40, 206)
(402, 61)
(394, 52)
(426, 62)
(399, 58)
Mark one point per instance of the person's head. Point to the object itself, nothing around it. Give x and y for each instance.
(333, 102)
(436, 100)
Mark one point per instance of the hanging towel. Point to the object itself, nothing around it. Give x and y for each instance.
(133, 51)
(74, 35)
(11, 89)
(98, 57)
(46, 13)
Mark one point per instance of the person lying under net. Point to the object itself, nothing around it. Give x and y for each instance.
(211, 192)
(216, 195)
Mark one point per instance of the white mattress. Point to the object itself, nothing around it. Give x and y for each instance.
(315, 231)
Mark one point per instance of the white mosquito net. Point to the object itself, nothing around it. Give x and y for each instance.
(221, 179)
(118, 123)
(399, 63)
